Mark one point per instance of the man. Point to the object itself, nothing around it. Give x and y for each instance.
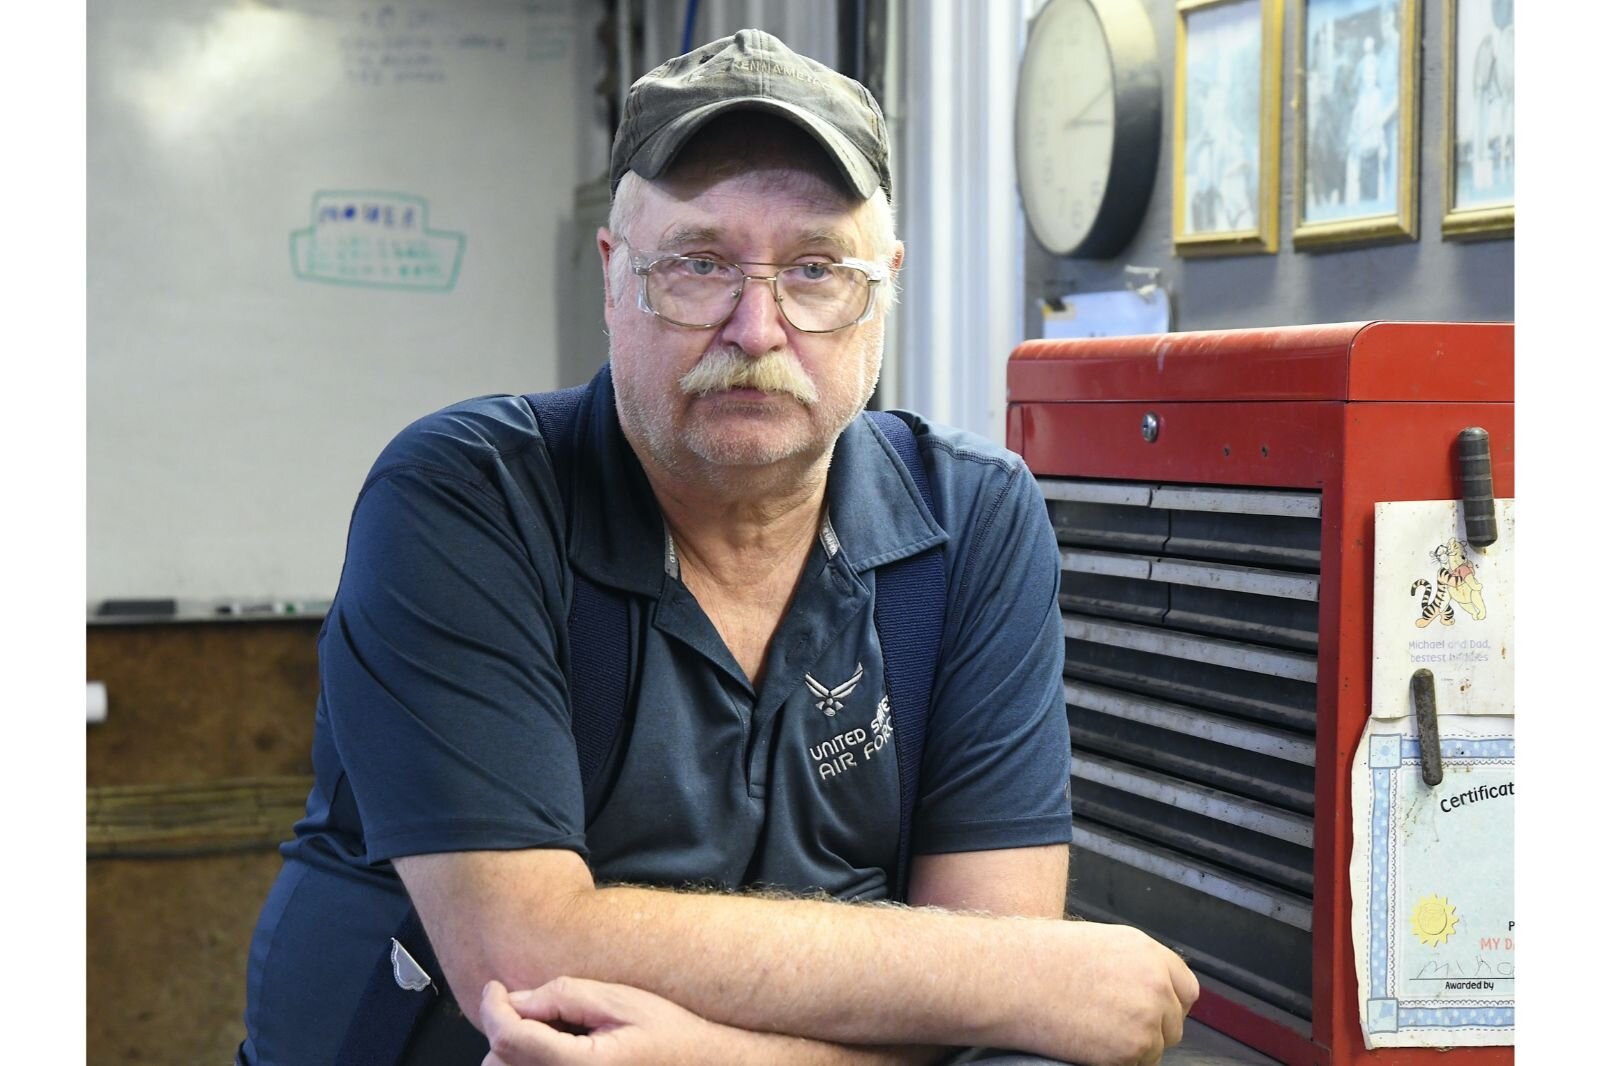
(668, 907)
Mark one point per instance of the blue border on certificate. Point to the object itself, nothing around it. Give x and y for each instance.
(1387, 753)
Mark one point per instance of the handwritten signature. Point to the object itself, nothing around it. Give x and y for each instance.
(1456, 971)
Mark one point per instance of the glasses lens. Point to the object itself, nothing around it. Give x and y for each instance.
(820, 297)
(692, 292)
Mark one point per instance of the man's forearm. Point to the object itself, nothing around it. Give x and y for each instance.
(854, 974)
(574, 1021)
(851, 974)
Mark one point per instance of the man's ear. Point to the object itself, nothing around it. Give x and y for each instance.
(898, 257)
(608, 244)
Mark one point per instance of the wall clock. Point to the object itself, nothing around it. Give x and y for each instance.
(1088, 125)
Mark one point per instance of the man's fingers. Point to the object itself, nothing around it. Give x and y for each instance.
(1185, 990)
(1172, 1028)
(572, 1001)
(515, 1039)
(1186, 984)
(494, 1008)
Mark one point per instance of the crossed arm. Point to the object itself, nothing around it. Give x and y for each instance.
(747, 978)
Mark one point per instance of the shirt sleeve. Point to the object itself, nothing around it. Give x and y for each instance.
(995, 766)
(441, 665)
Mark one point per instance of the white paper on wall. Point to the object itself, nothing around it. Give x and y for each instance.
(1439, 603)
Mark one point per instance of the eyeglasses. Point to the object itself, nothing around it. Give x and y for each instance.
(701, 293)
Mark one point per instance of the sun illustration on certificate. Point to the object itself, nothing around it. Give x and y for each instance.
(1434, 920)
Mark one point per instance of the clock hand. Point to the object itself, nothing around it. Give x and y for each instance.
(1073, 121)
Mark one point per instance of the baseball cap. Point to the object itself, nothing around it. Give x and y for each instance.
(751, 71)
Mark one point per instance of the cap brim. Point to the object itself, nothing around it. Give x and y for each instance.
(652, 158)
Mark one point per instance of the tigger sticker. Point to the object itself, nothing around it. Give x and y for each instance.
(1457, 581)
(1435, 604)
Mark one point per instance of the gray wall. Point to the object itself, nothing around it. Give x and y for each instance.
(1426, 279)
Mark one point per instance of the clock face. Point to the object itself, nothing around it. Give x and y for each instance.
(1065, 119)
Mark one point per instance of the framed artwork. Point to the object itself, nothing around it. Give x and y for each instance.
(1356, 129)
(1227, 89)
(1479, 125)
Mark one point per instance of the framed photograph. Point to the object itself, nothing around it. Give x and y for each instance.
(1479, 124)
(1356, 127)
(1225, 130)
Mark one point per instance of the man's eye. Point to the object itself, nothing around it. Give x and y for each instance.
(815, 271)
(703, 268)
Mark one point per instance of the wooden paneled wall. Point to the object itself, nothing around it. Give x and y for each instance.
(206, 717)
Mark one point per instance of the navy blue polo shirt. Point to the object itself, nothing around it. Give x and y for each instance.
(443, 722)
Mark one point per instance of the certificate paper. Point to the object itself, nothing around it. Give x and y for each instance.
(1431, 885)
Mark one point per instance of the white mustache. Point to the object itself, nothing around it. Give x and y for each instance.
(726, 369)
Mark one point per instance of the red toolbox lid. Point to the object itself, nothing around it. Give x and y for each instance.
(1394, 361)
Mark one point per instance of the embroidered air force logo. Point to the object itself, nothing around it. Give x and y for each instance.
(853, 747)
(830, 701)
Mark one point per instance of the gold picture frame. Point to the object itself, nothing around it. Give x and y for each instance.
(1357, 64)
(1479, 121)
(1225, 153)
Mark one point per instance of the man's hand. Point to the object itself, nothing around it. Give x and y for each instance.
(572, 1021)
(575, 1021)
(1129, 995)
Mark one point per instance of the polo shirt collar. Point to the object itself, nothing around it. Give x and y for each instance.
(877, 512)
(619, 537)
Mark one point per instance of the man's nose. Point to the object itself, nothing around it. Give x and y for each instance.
(757, 323)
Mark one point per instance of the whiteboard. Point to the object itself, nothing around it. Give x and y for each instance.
(310, 223)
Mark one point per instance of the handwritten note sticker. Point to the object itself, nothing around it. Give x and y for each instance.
(1440, 604)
